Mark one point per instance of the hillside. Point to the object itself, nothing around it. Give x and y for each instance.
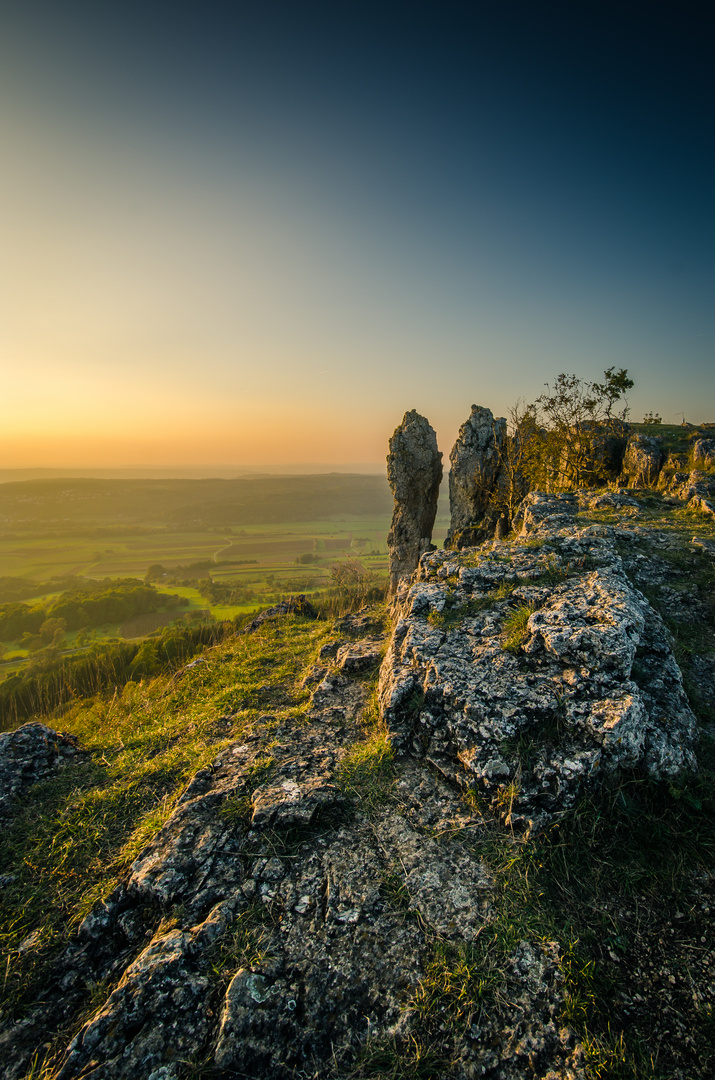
(501, 864)
(61, 505)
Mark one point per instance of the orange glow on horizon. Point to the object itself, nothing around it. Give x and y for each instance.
(275, 442)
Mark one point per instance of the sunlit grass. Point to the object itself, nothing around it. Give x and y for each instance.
(515, 627)
(79, 832)
(367, 771)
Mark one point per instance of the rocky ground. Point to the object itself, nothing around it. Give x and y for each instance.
(508, 871)
(527, 670)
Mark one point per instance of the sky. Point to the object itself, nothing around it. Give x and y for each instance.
(251, 235)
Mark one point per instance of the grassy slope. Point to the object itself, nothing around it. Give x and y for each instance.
(79, 833)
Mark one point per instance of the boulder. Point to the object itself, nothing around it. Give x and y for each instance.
(32, 753)
(538, 509)
(642, 460)
(414, 471)
(704, 453)
(358, 656)
(688, 486)
(294, 605)
(702, 506)
(528, 671)
(476, 463)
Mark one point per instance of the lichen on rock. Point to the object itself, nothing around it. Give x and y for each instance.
(476, 462)
(589, 687)
(32, 753)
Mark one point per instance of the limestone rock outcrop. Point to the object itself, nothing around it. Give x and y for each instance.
(687, 485)
(414, 471)
(32, 753)
(476, 461)
(294, 605)
(526, 671)
(704, 453)
(642, 460)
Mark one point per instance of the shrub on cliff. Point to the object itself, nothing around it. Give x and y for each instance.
(581, 425)
(572, 436)
(352, 585)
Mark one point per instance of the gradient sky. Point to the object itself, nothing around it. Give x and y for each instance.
(250, 234)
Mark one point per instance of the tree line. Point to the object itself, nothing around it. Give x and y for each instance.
(88, 604)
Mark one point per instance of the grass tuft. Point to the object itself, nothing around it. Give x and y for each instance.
(515, 627)
(367, 772)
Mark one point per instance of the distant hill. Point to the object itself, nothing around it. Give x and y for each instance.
(204, 472)
(267, 500)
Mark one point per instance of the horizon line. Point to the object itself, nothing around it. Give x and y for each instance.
(7, 474)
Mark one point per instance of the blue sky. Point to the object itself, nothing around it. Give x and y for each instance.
(255, 234)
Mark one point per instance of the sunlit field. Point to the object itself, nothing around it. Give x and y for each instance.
(60, 536)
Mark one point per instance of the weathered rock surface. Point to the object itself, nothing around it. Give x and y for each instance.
(476, 461)
(134, 1032)
(32, 753)
(342, 961)
(537, 513)
(704, 453)
(642, 460)
(702, 506)
(687, 486)
(294, 605)
(272, 929)
(414, 471)
(618, 499)
(360, 655)
(698, 488)
(529, 670)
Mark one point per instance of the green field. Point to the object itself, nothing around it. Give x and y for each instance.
(264, 538)
(131, 553)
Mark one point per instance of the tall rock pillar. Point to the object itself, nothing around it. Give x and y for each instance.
(414, 470)
(476, 464)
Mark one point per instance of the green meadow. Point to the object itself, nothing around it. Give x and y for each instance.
(131, 553)
(214, 550)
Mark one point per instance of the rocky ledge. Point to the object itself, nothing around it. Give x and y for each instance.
(282, 921)
(32, 753)
(525, 671)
